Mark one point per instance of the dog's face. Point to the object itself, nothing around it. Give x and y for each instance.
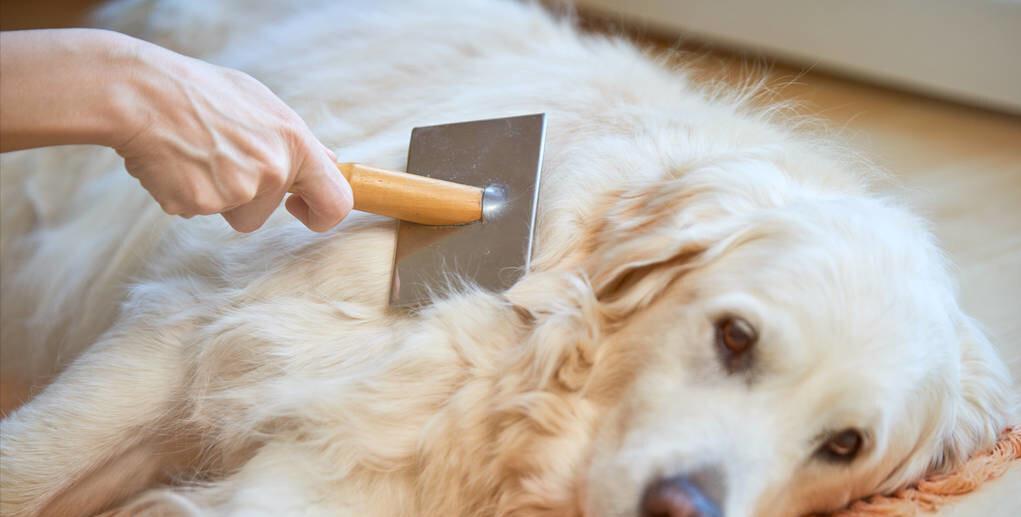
(781, 359)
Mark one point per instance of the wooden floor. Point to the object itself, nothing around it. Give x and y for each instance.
(959, 166)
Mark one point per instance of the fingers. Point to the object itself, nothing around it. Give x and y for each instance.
(251, 216)
(298, 208)
(322, 197)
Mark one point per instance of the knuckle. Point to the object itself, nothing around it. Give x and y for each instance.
(242, 224)
(236, 187)
(206, 205)
(292, 143)
(205, 208)
(191, 189)
(274, 177)
(244, 227)
(223, 163)
(171, 207)
(296, 132)
(242, 191)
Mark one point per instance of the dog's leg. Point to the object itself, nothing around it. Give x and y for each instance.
(103, 406)
(280, 479)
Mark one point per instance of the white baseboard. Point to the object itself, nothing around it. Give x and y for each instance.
(966, 50)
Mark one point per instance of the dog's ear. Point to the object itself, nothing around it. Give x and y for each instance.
(644, 237)
(985, 398)
(980, 401)
(650, 235)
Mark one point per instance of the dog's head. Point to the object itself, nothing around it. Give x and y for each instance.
(758, 348)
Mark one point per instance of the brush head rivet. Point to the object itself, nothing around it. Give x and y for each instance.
(494, 199)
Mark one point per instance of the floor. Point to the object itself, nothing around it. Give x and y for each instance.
(960, 166)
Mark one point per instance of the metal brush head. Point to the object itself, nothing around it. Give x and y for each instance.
(502, 156)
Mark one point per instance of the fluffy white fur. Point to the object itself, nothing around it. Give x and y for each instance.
(263, 373)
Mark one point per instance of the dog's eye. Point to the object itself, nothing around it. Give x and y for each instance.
(736, 334)
(843, 446)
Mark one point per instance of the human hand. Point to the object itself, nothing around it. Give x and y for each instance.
(204, 139)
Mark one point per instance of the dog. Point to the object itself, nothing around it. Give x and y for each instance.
(722, 318)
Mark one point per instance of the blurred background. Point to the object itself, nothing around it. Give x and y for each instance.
(965, 50)
(929, 90)
(28, 14)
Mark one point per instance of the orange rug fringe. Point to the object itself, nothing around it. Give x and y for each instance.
(935, 491)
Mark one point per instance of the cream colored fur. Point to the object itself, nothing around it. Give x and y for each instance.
(208, 372)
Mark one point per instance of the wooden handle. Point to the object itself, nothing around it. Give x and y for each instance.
(410, 197)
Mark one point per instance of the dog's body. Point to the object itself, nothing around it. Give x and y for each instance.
(264, 373)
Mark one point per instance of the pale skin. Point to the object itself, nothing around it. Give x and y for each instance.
(202, 139)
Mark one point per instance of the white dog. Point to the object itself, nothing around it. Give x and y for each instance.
(721, 318)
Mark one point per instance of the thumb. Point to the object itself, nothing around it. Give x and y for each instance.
(321, 196)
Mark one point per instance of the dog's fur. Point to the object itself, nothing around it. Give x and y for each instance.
(263, 373)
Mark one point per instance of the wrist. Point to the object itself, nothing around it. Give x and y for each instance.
(63, 86)
(130, 78)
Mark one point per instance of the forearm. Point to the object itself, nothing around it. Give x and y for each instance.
(68, 86)
(200, 138)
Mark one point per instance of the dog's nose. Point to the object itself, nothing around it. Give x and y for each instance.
(677, 496)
